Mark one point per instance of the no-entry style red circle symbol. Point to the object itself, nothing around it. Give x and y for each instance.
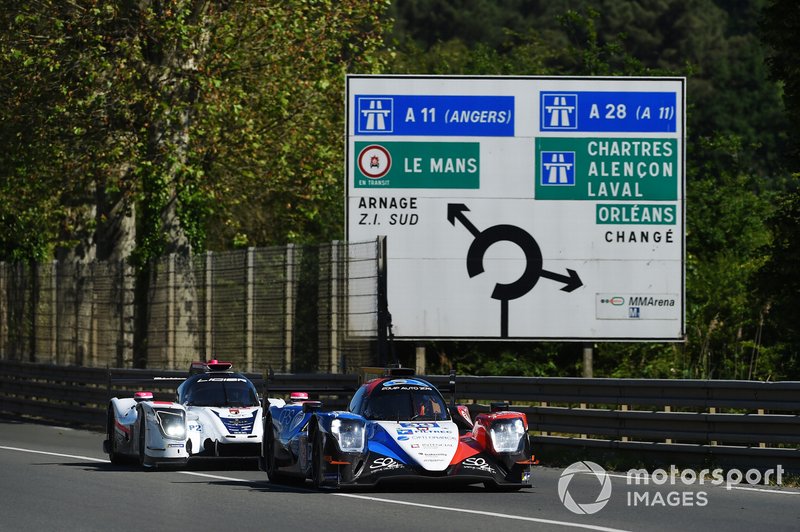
(374, 161)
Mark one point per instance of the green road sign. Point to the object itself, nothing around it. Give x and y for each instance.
(620, 169)
(446, 165)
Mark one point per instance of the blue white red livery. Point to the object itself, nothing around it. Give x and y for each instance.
(396, 428)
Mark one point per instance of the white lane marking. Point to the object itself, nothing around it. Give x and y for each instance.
(765, 490)
(376, 499)
(215, 477)
(60, 455)
(480, 512)
(102, 460)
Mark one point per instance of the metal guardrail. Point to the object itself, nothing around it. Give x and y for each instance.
(681, 419)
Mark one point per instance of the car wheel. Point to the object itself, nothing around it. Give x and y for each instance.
(114, 457)
(318, 461)
(143, 444)
(269, 453)
(142, 438)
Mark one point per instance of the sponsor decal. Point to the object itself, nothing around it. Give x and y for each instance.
(411, 388)
(419, 425)
(478, 463)
(396, 382)
(384, 463)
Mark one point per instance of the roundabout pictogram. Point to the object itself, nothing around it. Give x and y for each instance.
(534, 264)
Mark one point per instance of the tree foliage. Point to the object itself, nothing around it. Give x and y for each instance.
(172, 125)
(193, 114)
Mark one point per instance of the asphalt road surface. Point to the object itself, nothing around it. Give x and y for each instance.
(55, 478)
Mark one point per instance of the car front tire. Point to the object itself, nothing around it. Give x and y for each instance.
(318, 461)
(113, 456)
(269, 453)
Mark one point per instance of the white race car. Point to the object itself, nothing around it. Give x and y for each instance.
(217, 413)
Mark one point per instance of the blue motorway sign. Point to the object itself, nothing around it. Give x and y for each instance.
(620, 112)
(421, 115)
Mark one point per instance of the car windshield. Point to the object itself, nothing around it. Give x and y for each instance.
(226, 391)
(406, 405)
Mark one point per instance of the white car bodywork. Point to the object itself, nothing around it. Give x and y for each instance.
(163, 432)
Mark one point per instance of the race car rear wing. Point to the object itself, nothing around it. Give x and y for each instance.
(165, 382)
(161, 383)
(340, 384)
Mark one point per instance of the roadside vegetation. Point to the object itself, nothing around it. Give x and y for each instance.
(133, 129)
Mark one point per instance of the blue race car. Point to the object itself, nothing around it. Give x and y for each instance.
(397, 428)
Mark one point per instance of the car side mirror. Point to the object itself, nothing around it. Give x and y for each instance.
(461, 417)
(311, 406)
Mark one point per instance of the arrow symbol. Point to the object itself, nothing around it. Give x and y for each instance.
(455, 211)
(571, 280)
(533, 260)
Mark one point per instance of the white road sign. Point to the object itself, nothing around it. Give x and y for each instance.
(522, 207)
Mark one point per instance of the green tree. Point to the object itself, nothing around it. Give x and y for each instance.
(184, 113)
(779, 284)
(177, 115)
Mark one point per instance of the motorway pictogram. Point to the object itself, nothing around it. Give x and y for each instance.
(534, 267)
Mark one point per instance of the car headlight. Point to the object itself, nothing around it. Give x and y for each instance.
(172, 424)
(507, 435)
(349, 433)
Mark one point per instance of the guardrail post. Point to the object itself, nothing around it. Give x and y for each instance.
(624, 408)
(544, 405)
(761, 413)
(712, 410)
(582, 407)
(668, 409)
